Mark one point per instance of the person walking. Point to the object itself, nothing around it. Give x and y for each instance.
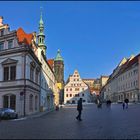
(79, 109)
(126, 102)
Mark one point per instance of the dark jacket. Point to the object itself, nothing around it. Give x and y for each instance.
(79, 105)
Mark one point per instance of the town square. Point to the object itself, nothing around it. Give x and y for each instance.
(69, 70)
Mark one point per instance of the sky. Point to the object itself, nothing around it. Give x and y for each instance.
(93, 36)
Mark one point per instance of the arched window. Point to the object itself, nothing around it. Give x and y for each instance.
(40, 40)
(9, 101)
(31, 102)
(12, 101)
(36, 102)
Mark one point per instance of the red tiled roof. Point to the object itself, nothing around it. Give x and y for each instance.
(104, 76)
(23, 37)
(51, 62)
(87, 79)
(125, 66)
(129, 63)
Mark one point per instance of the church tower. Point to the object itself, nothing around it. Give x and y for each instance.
(59, 68)
(59, 74)
(41, 35)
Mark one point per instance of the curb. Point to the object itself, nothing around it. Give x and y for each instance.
(33, 116)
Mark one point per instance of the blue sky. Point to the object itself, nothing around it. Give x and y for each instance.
(93, 36)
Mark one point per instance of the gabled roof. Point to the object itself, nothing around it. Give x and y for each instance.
(51, 63)
(88, 79)
(104, 76)
(124, 67)
(24, 37)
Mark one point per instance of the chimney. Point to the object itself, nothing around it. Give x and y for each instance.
(1, 20)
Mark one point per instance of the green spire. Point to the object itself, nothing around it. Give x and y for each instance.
(41, 35)
(58, 56)
(41, 24)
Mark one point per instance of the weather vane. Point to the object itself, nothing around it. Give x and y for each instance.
(41, 9)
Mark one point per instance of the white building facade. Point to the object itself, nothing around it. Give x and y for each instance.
(27, 82)
(124, 82)
(19, 86)
(75, 89)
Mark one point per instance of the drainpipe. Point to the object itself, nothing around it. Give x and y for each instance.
(24, 83)
(40, 90)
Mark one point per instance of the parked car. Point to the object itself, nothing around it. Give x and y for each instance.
(7, 113)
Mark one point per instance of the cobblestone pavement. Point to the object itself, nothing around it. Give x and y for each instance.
(105, 123)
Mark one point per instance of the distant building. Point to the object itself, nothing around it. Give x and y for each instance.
(124, 81)
(89, 82)
(59, 74)
(103, 80)
(95, 85)
(75, 88)
(57, 65)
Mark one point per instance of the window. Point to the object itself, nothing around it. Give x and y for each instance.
(76, 89)
(9, 73)
(67, 95)
(67, 89)
(13, 73)
(12, 101)
(77, 79)
(1, 46)
(83, 94)
(6, 73)
(5, 101)
(36, 102)
(10, 44)
(9, 101)
(31, 73)
(36, 76)
(31, 102)
(70, 95)
(71, 89)
(68, 102)
(136, 82)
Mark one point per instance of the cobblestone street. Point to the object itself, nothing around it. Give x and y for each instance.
(97, 123)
